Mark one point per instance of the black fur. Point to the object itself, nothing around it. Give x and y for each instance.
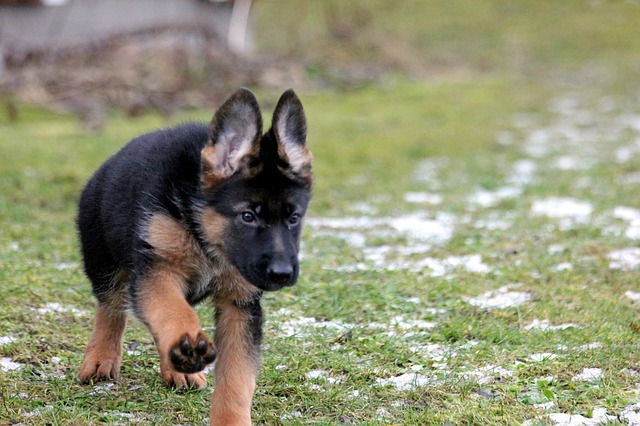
(154, 173)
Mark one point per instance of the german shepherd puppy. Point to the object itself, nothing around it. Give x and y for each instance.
(192, 212)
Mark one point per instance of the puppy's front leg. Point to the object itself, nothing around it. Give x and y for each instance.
(184, 349)
(237, 339)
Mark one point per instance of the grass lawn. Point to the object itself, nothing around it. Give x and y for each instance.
(471, 254)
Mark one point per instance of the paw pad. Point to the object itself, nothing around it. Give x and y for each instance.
(192, 355)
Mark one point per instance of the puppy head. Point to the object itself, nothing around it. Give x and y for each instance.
(256, 188)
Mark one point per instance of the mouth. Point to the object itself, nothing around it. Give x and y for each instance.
(274, 285)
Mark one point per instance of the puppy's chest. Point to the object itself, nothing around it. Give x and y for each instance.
(177, 251)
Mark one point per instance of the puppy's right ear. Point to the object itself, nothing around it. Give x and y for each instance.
(236, 129)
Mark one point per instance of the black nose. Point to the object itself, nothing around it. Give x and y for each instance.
(280, 272)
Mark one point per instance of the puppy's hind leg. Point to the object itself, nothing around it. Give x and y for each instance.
(103, 356)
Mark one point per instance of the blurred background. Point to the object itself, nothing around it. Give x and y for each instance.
(91, 56)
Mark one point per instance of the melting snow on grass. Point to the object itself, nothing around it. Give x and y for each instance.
(58, 308)
(303, 326)
(569, 211)
(5, 340)
(632, 216)
(414, 226)
(588, 375)
(633, 295)
(423, 233)
(486, 198)
(545, 325)
(423, 198)
(7, 364)
(625, 259)
(630, 416)
(434, 267)
(501, 298)
(407, 381)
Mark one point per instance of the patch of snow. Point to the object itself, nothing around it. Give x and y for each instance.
(588, 375)
(54, 307)
(542, 357)
(38, 411)
(7, 364)
(132, 417)
(589, 346)
(633, 295)
(632, 178)
(487, 374)
(66, 265)
(493, 224)
(556, 248)
(415, 226)
(440, 267)
(545, 325)
(423, 198)
(568, 210)
(316, 374)
(625, 259)
(571, 163)
(539, 143)
(437, 230)
(102, 388)
(632, 216)
(486, 198)
(5, 340)
(629, 416)
(501, 298)
(545, 405)
(405, 327)
(383, 412)
(407, 381)
(599, 416)
(522, 173)
(300, 326)
(428, 169)
(564, 266)
(292, 415)
(322, 375)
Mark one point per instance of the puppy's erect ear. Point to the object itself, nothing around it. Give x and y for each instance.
(290, 129)
(236, 129)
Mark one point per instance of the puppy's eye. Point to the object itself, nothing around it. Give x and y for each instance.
(294, 219)
(248, 217)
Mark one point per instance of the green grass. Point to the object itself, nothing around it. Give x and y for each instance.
(367, 308)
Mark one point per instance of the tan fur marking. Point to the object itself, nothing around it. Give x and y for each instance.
(210, 175)
(214, 171)
(172, 243)
(300, 163)
(230, 284)
(213, 225)
(235, 369)
(103, 356)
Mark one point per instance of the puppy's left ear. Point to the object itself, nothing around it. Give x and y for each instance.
(290, 129)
